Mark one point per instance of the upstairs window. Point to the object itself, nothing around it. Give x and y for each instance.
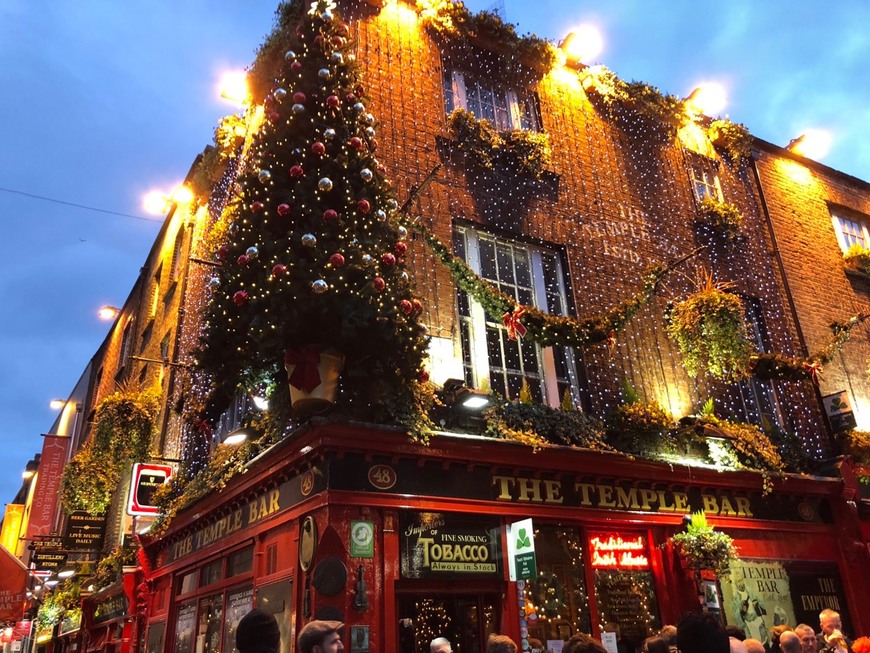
(534, 276)
(177, 250)
(758, 399)
(505, 108)
(705, 183)
(850, 230)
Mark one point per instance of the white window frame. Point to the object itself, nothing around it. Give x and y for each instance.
(850, 230)
(456, 92)
(703, 177)
(478, 321)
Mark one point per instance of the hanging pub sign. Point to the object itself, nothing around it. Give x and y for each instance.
(444, 545)
(48, 560)
(521, 550)
(617, 551)
(84, 531)
(147, 479)
(839, 411)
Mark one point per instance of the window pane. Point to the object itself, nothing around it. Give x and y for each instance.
(522, 271)
(628, 599)
(211, 573)
(211, 621)
(486, 251)
(493, 347)
(530, 358)
(505, 264)
(240, 562)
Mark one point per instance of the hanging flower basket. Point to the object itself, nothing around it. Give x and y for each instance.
(703, 548)
(313, 374)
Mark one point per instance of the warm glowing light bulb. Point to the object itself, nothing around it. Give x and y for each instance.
(108, 312)
(182, 194)
(813, 144)
(155, 202)
(234, 87)
(708, 98)
(56, 404)
(583, 43)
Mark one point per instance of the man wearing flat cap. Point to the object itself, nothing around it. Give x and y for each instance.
(320, 637)
(258, 632)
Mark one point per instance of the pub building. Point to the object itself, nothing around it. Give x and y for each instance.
(404, 543)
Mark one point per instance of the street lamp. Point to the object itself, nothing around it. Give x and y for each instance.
(108, 312)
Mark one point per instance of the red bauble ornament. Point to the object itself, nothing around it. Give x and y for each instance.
(330, 215)
(283, 209)
(296, 172)
(423, 376)
(333, 102)
(344, 29)
(337, 41)
(318, 39)
(256, 207)
(356, 143)
(222, 252)
(418, 306)
(406, 306)
(279, 270)
(364, 206)
(388, 259)
(337, 260)
(243, 260)
(401, 248)
(299, 97)
(240, 298)
(318, 148)
(296, 66)
(359, 90)
(350, 98)
(274, 117)
(379, 284)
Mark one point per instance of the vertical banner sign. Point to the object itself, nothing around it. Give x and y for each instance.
(362, 539)
(521, 550)
(44, 505)
(12, 527)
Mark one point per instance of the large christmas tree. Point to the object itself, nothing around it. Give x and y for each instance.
(313, 260)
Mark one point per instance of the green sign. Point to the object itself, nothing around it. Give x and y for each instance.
(521, 550)
(525, 565)
(362, 539)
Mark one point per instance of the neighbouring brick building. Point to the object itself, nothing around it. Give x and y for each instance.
(330, 522)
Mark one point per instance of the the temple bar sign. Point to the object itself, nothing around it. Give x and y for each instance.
(147, 478)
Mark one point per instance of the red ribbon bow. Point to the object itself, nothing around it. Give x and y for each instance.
(814, 370)
(611, 341)
(305, 375)
(512, 323)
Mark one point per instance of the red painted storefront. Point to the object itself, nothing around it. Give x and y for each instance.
(400, 540)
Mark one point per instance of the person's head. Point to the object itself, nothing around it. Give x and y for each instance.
(736, 645)
(775, 633)
(753, 646)
(807, 636)
(789, 642)
(440, 645)
(258, 632)
(701, 632)
(669, 634)
(500, 644)
(580, 643)
(829, 621)
(735, 632)
(655, 645)
(320, 637)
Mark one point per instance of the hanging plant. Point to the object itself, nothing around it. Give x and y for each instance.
(709, 329)
(724, 218)
(641, 428)
(704, 548)
(857, 258)
(537, 424)
(734, 138)
(526, 152)
(121, 435)
(228, 138)
(109, 567)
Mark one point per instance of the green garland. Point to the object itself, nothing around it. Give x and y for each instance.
(541, 327)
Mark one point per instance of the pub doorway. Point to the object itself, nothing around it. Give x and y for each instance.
(466, 619)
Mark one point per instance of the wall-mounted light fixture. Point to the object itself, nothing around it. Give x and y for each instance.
(108, 312)
(463, 406)
(812, 144)
(235, 437)
(234, 87)
(707, 99)
(581, 46)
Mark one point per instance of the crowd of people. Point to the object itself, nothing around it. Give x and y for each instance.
(697, 632)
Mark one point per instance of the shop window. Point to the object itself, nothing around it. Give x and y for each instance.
(851, 229)
(154, 643)
(240, 562)
(557, 604)
(239, 603)
(277, 598)
(534, 276)
(505, 108)
(625, 589)
(210, 624)
(211, 573)
(466, 620)
(187, 583)
(705, 182)
(184, 628)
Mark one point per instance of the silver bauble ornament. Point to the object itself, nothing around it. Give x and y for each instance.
(290, 55)
(326, 15)
(309, 240)
(392, 204)
(214, 282)
(354, 242)
(367, 258)
(359, 107)
(366, 174)
(279, 94)
(404, 276)
(382, 215)
(369, 118)
(337, 57)
(324, 185)
(329, 134)
(252, 252)
(264, 176)
(370, 132)
(319, 286)
(324, 73)
(298, 108)
(403, 233)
